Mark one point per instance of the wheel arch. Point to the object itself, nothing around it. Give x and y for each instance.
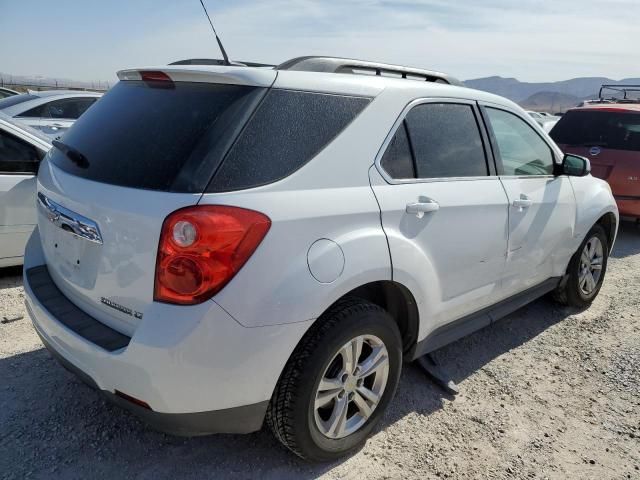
(398, 301)
(609, 222)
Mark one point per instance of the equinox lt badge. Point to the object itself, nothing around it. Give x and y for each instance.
(121, 308)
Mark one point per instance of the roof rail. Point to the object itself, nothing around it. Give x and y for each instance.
(217, 61)
(362, 67)
(624, 89)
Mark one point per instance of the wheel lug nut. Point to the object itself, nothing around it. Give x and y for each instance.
(345, 377)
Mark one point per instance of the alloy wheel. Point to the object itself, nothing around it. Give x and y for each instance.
(351, 386)
(590, 266)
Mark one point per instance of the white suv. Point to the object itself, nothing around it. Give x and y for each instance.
(217, 246)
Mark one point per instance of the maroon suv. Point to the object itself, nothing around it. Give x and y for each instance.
(608, 135)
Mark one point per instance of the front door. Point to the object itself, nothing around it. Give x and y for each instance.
(444, 214)
(18, 165)
(542, 207)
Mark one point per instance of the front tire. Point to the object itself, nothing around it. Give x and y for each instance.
(586, 270)
(338, 381)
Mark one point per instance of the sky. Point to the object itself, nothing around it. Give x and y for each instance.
(527, 39)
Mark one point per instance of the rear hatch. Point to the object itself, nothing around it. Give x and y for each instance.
(610, 139)
(149, 147)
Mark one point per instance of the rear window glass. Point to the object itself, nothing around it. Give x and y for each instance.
(157, 135)
(615, 130)
(446, 141)
(287, 130)
(16, 99)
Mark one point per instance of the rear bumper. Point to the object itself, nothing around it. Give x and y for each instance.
(196, 367)
(245, 419)
(628, 206)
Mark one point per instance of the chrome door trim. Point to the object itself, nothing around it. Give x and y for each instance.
(69, 221)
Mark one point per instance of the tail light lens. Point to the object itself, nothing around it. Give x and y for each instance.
(202, 248)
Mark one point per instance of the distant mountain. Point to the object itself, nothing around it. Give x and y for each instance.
(522, 92)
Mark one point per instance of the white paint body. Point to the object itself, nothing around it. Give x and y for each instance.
(17, 198)
(476, 250)
(51, 127)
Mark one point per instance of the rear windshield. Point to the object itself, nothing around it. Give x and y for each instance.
(184, 137)
(615, 130)
(157, 135)
(16, 99)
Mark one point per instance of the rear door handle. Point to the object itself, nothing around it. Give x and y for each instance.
(522, 202)
(420, 208)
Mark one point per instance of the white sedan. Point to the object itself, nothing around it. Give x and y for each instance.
(50, 111)
(21, 149)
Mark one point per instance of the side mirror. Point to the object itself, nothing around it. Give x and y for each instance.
(575, 166)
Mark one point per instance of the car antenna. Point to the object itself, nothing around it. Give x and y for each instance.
(224, 53)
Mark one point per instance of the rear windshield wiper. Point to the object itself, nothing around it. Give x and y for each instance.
(72, 154)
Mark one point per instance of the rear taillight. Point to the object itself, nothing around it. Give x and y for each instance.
(202, 248)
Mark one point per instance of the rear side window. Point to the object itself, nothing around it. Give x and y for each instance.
(17, 156)
(69, 108)
(287, 130)
(615, 130)
(443, 140)
(157, 135)
(446, 141)
(398, 160)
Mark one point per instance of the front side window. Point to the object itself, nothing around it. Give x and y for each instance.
(17, 156)
(437, 140)
(520, 149)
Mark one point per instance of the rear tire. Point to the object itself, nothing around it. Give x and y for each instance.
(324, 421)
(586, 270)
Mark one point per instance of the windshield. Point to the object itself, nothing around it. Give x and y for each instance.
(618, 130)
(16, 99)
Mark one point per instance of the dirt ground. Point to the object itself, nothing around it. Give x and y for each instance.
(548, 392)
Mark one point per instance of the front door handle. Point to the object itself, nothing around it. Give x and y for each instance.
(522, 202)
(420, 208)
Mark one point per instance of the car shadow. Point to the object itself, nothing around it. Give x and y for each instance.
(628, 240)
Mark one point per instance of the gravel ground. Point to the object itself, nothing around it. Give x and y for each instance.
(548, 392)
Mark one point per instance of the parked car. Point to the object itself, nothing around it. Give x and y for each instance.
(609, 135)
(220, 246)
(21, 150)
(545, 120)
(50, 111)
(7, 92)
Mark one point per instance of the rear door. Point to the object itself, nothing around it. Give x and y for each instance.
(19, 161)
(443, 209)
(542, 206)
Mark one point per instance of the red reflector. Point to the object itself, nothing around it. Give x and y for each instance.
(155, 76)
(134, 400)
(225, 237)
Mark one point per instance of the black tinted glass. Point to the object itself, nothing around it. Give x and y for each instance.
(446, 141)
(147, 135)
(15, 100)
(287, 130)
(17, 156)
(397, 160)
(35, 112)
(70, 108)
(615, 130)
